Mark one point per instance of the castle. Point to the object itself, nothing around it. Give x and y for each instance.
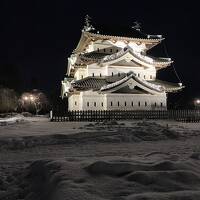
(114, 72)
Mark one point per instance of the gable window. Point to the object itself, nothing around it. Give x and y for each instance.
(95, 104)
(155, 104)
(110, 50)
(118, 103)
(111, 103)
(98, 49)
(104, 50)
(125, 103)
(88, 104)
(100, 75)
(138, 75)
(102, 104)
(145, 103)
(81, 76)
(161, 104)
(139, 103)
(92, 74)
(151, 77)
(75, 103)
(112, 73)
(117, 50)
(118, 74)
(132, 103)
(144, 77)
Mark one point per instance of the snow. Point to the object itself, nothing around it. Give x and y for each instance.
(126, 160)
(11, 120)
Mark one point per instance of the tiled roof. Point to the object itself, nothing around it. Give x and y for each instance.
(96, 83)
(94, 56)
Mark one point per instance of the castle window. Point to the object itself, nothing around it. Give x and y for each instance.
(111, 103)
(95, 104)
(145, 103)
(155, 104)
(118, 103)
(93, 74)
(75, 103)
(125, 103)
(144, 76)
(138, 75)
(104, 50)
(81, 76)
(112, 73)
(100, 75)
(151, 77)
(139, 103)
(98, 49)
(132, 103)
(110, 50)
(102, 104)
(118, 74)
(161, 104)
(117, 50)
(88, 104)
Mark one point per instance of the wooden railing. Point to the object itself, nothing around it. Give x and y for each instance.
(179, 115)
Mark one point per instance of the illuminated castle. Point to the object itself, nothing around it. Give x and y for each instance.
(115, 72)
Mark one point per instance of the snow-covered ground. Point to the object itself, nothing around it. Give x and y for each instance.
(126, 160)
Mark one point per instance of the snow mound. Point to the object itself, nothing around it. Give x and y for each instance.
(99, 134)
(12, 120)
(103, 180)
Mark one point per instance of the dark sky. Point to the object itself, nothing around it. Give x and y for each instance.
(37, 36)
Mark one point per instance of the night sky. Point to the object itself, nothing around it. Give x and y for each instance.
(37, 36)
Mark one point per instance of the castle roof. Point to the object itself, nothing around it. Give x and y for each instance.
(88, 37)
(95, 57)
(110, 83)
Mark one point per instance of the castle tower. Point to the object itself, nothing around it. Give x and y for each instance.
(114, 72)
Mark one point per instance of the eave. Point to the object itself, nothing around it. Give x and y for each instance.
(87, 37)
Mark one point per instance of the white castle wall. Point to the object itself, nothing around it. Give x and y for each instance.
(93, 101)
(95, 70)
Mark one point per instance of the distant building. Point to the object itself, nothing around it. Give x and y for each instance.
(114, 72)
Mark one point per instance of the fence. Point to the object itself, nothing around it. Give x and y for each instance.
(179, 115)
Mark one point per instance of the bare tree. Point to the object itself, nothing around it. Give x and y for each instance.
(8, 100)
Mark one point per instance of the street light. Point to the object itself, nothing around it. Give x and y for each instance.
(197, 103)
(25, 98)
(29, 99)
